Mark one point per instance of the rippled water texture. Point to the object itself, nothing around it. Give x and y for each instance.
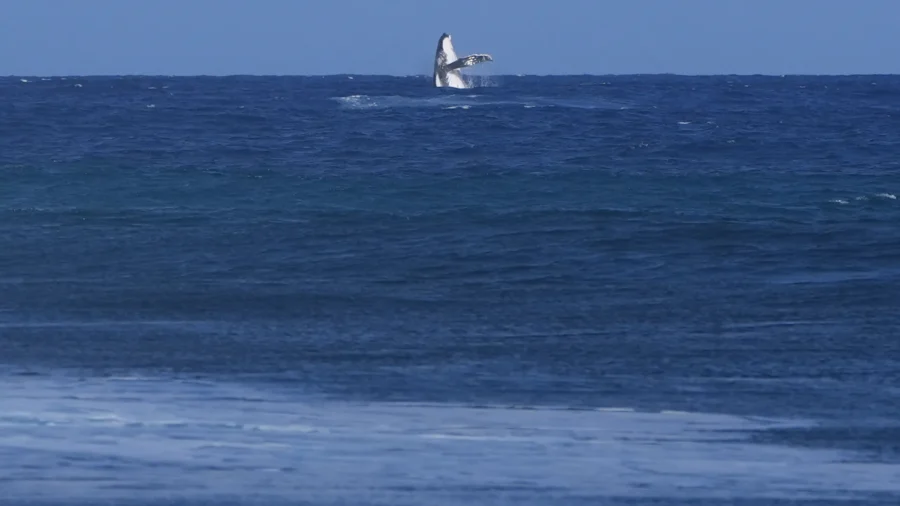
(539, 290)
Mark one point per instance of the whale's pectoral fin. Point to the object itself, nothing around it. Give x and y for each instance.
(468, 61)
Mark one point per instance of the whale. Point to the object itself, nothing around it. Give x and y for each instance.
(447, 64)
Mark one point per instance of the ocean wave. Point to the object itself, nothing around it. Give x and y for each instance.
(202, 438)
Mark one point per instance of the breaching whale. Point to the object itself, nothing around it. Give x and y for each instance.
(447, 65)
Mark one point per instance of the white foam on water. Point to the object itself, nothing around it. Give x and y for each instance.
(864, 198)
(457, 100)
(140, 438)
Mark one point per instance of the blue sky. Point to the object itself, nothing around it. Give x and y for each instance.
(56, 37)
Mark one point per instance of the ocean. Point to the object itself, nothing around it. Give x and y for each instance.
(541, 290)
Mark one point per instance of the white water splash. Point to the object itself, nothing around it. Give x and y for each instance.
(481, 81)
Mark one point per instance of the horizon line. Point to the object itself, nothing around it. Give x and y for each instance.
(351, 74)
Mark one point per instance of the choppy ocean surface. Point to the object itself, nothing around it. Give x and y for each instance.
(641, 290)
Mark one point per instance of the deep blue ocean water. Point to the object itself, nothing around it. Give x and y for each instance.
(364, 290)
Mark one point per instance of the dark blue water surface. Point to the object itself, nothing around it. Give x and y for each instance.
(726, 245)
